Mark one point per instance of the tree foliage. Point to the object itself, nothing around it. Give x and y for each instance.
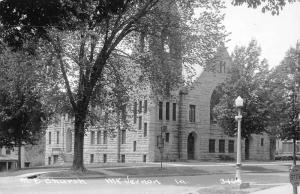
(247, 78)
(87, 36)
(283, 89)
(273, 6)
(21, 110)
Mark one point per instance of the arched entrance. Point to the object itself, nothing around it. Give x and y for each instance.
(69, 141)
(191, 146)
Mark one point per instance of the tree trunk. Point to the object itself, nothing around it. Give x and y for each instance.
(294, 151)
(119, 138)
(78, 163)
(19, 155)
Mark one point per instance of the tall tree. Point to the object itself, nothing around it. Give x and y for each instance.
(84, 35)
(21, 110)
(246, 79)
(284, 84)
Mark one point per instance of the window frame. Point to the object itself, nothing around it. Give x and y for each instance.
(167, 111)
(123, 136)
(57, 137)
(212, 146)
(98, 137)
(160, 111)
(192, 113)
(49, 137)
(167, 137)
(92, 138)
(221, 148)
(145, 106)
(174, 112)
(134, 146)
(145, 129)
(104, 137)
(231, 146)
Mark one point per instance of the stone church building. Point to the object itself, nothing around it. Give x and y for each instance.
(180, 126)
(183, 122)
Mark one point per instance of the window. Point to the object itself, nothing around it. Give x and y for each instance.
(160, 111)
(55, 159)
(49, 160)
(134, 112)
(145, 106)
(134, 146)
(262, 142)
(49, 136)
(174, 111)
(222, 66)
(140, 106)
(231, 146)
(192, 113)
(57, 137)
(211, 146)
(167, 137)
(221, 146)
(145, 129)
(105, 137)
(123, 158)
(104, 158)
(160, 141)
(123, 136)
(91, 158)
(140, 122)
(92, 137)
(167, 110)
(98, 137)
(8, 151)
(144, 158)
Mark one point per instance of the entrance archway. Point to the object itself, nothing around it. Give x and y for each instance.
(69, 141)
(191, 146)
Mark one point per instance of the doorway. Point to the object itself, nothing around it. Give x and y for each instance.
(191, 146)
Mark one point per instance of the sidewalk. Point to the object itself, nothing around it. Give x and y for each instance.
(285, 189)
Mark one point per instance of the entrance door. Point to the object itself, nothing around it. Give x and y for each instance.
(191, 146)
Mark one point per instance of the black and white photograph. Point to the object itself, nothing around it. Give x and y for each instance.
(149, 96)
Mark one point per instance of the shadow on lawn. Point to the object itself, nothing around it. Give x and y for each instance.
(153, 171)
(260, 169)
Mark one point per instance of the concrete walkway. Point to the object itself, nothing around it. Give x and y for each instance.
(284, 189)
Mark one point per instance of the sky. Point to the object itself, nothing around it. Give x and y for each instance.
(275, 34)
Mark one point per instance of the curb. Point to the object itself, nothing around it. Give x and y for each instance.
(151, 175)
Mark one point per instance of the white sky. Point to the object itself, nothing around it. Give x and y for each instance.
(275, 34)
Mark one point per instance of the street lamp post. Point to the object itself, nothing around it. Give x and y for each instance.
(239, 104)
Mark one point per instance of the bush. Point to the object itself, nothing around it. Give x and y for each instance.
(225, 158)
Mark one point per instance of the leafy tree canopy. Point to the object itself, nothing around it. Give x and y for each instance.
(87, 36)
(21, 109)
(246, 79)
(283, 88)
(273, 6)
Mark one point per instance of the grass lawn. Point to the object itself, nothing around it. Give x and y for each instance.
(72, 174)
(153, 171)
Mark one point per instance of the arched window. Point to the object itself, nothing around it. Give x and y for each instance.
(214, 100)
(222, 66)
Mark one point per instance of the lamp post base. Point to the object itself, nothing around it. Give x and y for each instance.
(242, 185)
(238, 179)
